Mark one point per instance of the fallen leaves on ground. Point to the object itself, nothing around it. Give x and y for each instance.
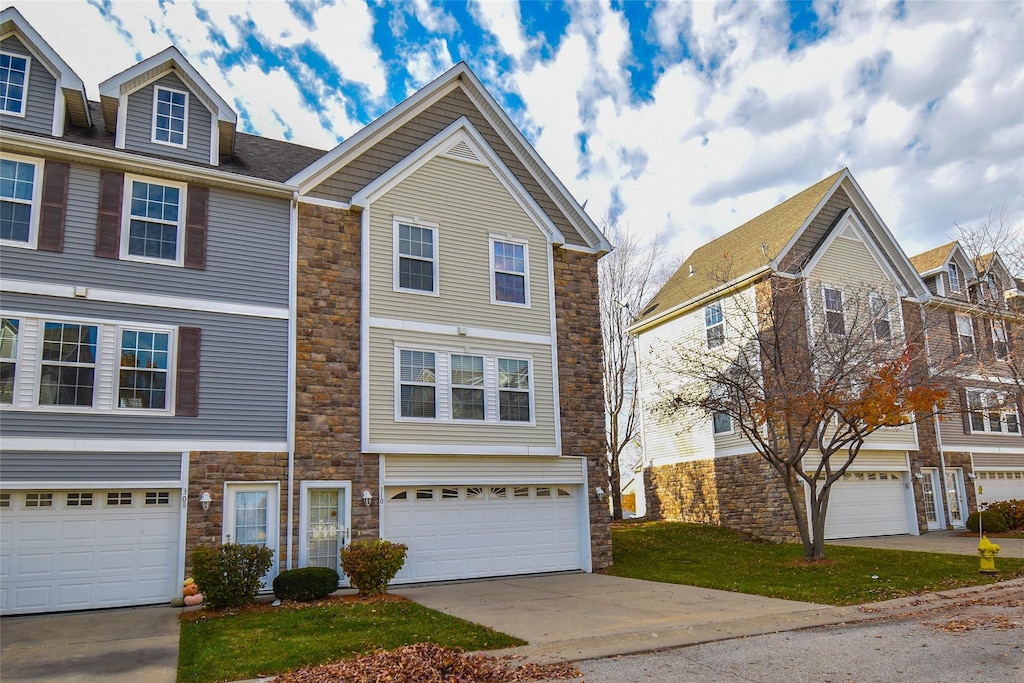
(429, 663)
(999, 622)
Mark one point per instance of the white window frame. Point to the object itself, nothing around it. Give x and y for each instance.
(710, 325)
(984, 404)
(880, 313)
(24, 91)
(14, 359)
(504, 239)
(40, 362)
(999, 337)
(969, 321)
(106, 373)
(398, 256)
(826, 310)
(35, 205)
(727, 416)
(953, 275)
(452, 386)
(443, 386)
(126, 220)
(184, 134)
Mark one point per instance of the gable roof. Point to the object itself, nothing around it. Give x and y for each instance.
(933, 260)
(780, 235)
(71, 86)
(148, 70)
(528, 162)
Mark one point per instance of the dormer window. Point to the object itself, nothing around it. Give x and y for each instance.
(954, 278)
(170, 108)
(13, 83)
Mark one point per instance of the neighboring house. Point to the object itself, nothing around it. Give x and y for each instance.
(701, 470)
(210, 336)
(974, 328)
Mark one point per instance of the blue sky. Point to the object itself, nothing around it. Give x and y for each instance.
(684, 117)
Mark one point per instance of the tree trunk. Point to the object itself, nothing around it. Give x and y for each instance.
(614, 484)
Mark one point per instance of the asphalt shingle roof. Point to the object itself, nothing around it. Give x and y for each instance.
(932, 259)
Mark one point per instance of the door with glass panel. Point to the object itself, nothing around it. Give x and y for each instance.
(251, 518)
(956, 496)
(324, 519)
(933, 510)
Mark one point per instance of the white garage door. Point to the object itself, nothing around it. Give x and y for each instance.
(867, 504)
(69, 550)
(996, 486)
(460, 532)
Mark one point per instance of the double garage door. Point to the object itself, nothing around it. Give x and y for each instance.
(457, 532)
(70, 550)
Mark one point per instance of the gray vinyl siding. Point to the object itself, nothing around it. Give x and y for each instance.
(139, 124)
(246, 257)
(468, 204)
(395, 147)
(243, 378)
(42, 89)
(22, 466)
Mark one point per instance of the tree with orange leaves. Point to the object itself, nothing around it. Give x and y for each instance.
(806, 372)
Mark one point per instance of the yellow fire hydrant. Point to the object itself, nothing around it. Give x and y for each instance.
(987, 551)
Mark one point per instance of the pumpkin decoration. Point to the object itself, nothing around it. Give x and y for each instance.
(190, 587)
(192, 600)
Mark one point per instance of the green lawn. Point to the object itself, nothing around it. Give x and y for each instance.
(713, 557)
(266, 641)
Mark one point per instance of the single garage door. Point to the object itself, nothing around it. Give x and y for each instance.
(70, 550)
(867, 504)
(458, 532)
(996, 486)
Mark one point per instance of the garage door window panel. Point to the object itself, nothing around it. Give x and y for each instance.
(38, 500)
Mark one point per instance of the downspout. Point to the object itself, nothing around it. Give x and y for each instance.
(293, 260)
(942, 467)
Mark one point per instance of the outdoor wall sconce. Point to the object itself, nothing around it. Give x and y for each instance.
(971, 476)
(919, 476)
(367, 498)
(599, 492)
(205, 499)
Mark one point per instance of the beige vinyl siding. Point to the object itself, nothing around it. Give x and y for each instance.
(954, 437)
(467, 203)
(997, 461)
(385, 428)
(848, 261)
(899, 438)
(866, 460)
(426, 470)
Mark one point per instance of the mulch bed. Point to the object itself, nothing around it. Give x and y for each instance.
(331, 601)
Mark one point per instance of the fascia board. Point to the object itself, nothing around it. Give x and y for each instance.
(810, 216)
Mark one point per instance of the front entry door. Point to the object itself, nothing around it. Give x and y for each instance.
(933, 510)
(956, 497)
(251, 518)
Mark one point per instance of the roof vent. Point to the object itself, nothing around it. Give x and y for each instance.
(691, 269)
(461, 150)
(764, 249)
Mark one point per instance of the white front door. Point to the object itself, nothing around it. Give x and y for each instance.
(933, 510)
(251, 518)
(956, 497)
(324, 518)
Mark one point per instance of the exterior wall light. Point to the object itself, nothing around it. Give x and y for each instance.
(919, 476)
(205, 499)
(599, 492)
(367, 498)
(971, 476)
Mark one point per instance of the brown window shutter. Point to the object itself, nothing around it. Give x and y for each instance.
(108, 223)
(195, 227)
(54, 209)
(186, 400)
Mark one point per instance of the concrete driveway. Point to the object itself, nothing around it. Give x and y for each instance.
(134, 645)
(582, 616)
(949, 542)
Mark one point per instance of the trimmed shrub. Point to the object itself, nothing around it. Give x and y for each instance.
(305, 584)
(991, 522)
(370, 565)
(230, 576)
(1011, 510)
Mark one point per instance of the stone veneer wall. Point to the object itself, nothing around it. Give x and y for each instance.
(327, 387)
(580, 370)
(207, 471)
(741, 492)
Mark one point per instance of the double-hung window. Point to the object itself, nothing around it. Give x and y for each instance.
(415, 258)
(155, 216)
(8, 358)
(67, 375)
(714, 324)
(881, 318)
(170, 116)
(13, 83)
(510, 272)
(992, 412)
(467, 379)
(953, 273)
(1000, 346)
(418, 377)
(513, 390)
(835, 318)
(965, 334)
(142, 378)
(20, 192)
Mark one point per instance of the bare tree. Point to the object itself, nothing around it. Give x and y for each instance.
(628, 277)
(805, 372)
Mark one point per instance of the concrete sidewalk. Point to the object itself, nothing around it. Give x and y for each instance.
(956, 542)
